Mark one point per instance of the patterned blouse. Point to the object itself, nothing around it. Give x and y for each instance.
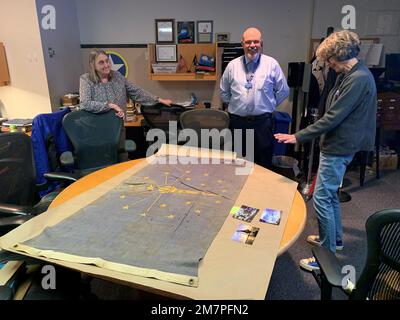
(94, 97)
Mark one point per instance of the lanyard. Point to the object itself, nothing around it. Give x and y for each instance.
(250, 75)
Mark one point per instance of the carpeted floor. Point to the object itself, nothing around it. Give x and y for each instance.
(289, 282)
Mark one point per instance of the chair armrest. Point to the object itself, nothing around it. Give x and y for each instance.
(62, 176)
(13, 221)
(130, 146)
(67, 158)
(41, 186)
(329, 266)
(14, 210)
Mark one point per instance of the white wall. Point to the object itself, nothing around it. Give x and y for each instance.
(286, 26)
(65, 67)
(28, 94)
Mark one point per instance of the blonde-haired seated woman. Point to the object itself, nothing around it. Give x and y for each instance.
(348, 126)
(102, 89)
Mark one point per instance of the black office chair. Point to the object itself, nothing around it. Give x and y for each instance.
(68, 283)
(207, 119)
(19, 202)
(19, 198)
(380, 278)
(95, 138)
(158, 116)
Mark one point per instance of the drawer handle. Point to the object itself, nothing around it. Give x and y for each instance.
(391, 108)
(392, 100)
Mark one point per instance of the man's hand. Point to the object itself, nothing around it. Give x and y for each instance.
(166, 102)
(118, 111)
(285, 138)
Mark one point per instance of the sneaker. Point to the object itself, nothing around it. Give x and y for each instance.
(309, 264)
(315, 241)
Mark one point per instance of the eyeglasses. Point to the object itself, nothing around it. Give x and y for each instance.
(329, 59)
(249, 42)
(102, 62)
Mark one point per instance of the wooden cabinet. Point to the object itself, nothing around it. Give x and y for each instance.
(4, 74)
(388, 118)
(187, 51)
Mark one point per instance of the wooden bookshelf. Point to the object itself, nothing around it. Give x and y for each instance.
(188, 52)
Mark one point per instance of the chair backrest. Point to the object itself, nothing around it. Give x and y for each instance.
(380, 278)
(206, 119)
(95, 138)
(17, 169)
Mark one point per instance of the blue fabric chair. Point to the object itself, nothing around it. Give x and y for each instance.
(49, 141)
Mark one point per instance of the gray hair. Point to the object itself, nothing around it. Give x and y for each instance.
(341, 45)
(93, 76)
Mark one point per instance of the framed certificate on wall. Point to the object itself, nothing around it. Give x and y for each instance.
(166, 53)
(205, 31)
(165, 30)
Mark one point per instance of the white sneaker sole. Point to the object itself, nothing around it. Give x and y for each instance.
(307, 267)
(317, 243)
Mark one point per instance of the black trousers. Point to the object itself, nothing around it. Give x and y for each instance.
(263, 136)
(122, 155)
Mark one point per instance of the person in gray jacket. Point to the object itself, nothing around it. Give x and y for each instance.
(348, 126)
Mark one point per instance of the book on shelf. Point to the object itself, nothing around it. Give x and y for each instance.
(17, 122)
(17, 129)
(17, 125)
(205, 68)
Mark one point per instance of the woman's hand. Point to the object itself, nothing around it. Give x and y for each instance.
(118, 111)
(285, 138)
(167, 102)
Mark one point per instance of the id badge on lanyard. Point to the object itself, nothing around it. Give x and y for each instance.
(249, 76)
(248, 84)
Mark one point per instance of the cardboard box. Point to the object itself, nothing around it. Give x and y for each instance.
(386, 162)
(70, 99)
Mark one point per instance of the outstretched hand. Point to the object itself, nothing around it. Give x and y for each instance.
(285, 138)
(166, 102)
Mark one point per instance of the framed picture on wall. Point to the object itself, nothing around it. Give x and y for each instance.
(166, 53)
(165, 30)
(185, 31)
(222, 37)
(205, 31)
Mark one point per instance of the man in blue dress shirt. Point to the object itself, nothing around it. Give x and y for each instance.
(253, 85)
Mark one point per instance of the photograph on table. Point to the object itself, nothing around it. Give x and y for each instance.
(245, 213)
(271, 216)
(245, 234)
